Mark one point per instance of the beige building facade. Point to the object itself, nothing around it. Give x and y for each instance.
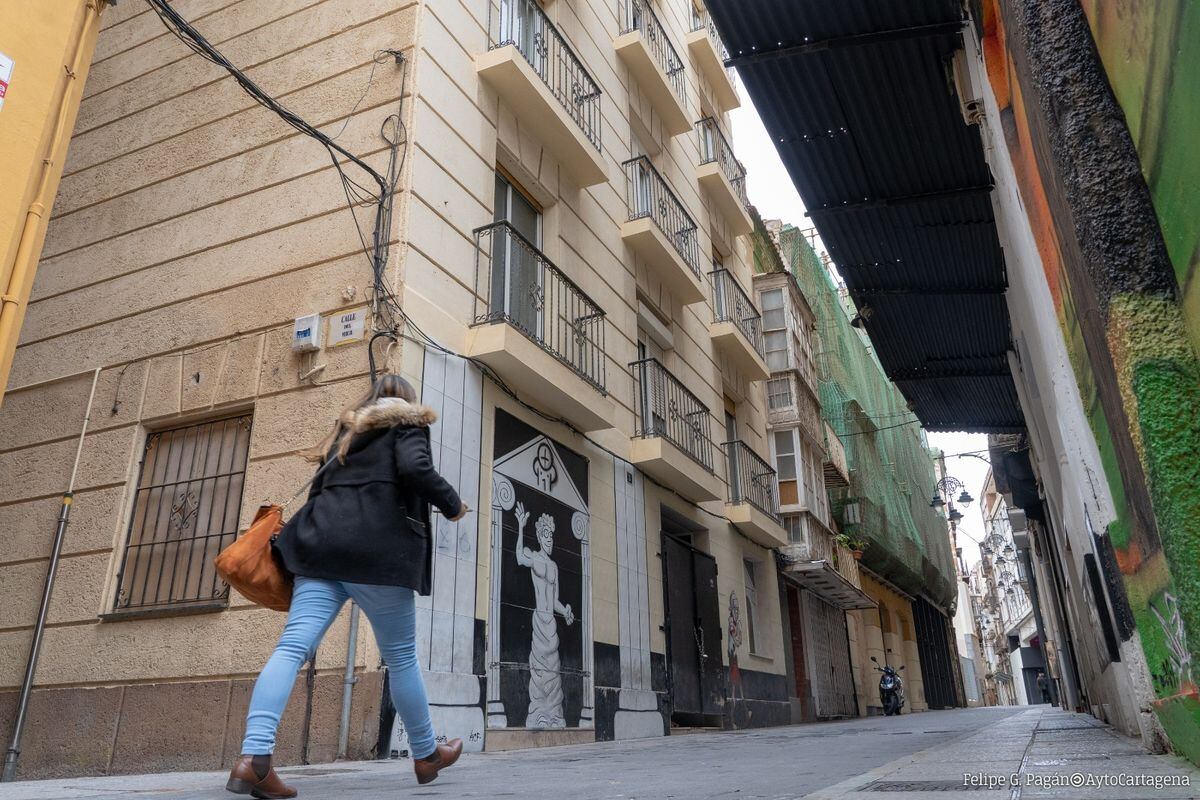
(568, 253)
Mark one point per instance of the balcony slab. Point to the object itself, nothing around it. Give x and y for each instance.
(759, 526)
(670, 466)
(712, 67)
(537, 374)
(635, 54)
(713, 180)
(507, 71)
(820, 578)
(648, 241)
(728, 338)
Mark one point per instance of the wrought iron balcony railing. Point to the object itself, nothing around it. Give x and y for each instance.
(732, 304)
(702, 21)
(637, 15)
(751, 479)
(649, 196)
(523, 24)
(714, 147)
(666, 408)
(517, 284)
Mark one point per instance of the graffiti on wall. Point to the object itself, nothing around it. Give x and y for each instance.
(1133, 341)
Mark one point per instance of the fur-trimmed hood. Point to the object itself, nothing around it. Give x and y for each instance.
(387, 412)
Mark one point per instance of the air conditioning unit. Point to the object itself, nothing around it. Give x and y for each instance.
(970, 102)
(1016, 518)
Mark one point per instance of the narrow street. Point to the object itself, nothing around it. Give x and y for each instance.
(913, 756)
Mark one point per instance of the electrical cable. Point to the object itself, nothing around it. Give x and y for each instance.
(393, 131)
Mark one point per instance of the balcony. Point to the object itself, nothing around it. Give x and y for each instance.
(539, 77)
(661, 231)
(723, 177)
(645, 49)
(538, 330)
(753, 505)
(813, 560)
(709, 53)
(672, 442)
(736, 328)
(835, 466)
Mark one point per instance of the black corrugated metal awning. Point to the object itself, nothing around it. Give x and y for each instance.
(858, 97)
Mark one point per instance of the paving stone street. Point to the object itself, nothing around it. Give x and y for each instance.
(914, 756)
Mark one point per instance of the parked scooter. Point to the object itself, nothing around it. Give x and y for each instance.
(891, 688)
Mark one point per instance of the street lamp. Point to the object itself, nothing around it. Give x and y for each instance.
(948, 486)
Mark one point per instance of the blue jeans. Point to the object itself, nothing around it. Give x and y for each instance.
(315, 603)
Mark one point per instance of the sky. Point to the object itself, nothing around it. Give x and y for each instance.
(772, 193)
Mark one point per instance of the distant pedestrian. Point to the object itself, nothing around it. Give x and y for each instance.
(1043, 685)
(363, 534)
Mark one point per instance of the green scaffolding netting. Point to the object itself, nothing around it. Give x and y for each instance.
(890, 466)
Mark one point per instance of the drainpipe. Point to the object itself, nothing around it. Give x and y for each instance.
(348, 682)
(15, 290)
(14, 748)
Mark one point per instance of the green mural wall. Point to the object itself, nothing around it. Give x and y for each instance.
(1132, 330)
(1151, 55)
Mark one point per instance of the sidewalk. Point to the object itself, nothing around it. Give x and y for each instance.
(1043, 752)
(913, 757)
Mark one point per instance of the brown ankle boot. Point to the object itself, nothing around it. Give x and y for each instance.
(443, 756)
(253, 775)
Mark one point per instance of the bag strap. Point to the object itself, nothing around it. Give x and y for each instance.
(307, 484)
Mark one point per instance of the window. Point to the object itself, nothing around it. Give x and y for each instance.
(772, 310)
(516, 279)
(785, 455)
(774, 322)
(751, 604)
(779, 393)
(188, 501)
(776, 349)
(796, 526)
(785, 468)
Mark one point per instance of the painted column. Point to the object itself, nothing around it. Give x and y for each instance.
(637, 714)
(446, 626)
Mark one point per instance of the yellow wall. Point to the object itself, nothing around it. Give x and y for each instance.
(40, 39)
(898, 637)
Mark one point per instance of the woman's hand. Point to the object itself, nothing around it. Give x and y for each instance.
(462, 512)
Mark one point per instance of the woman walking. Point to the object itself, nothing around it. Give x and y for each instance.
(364, 534)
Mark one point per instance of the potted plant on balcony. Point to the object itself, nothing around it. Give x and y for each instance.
(856, 547)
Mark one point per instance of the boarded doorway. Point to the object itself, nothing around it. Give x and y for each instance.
(693, 626)
(828, 650)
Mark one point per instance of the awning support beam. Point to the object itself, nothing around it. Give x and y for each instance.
(839, 42)
(885, 202)
(939, 291)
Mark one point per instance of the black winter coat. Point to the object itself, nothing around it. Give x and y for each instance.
(367, 520)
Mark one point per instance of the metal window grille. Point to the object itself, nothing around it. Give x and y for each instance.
(517, 284)
(637, 15)
(523, 24)
(649, 196)
(186, 510)
(666, 408)
(732, 304)
(701, 21)
(751, 479)
(714, 147)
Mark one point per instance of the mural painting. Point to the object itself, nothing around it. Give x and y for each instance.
(732, 642)
(540, 654)
(1132, 327)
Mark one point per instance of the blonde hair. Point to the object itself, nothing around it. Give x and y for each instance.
(339, 438)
